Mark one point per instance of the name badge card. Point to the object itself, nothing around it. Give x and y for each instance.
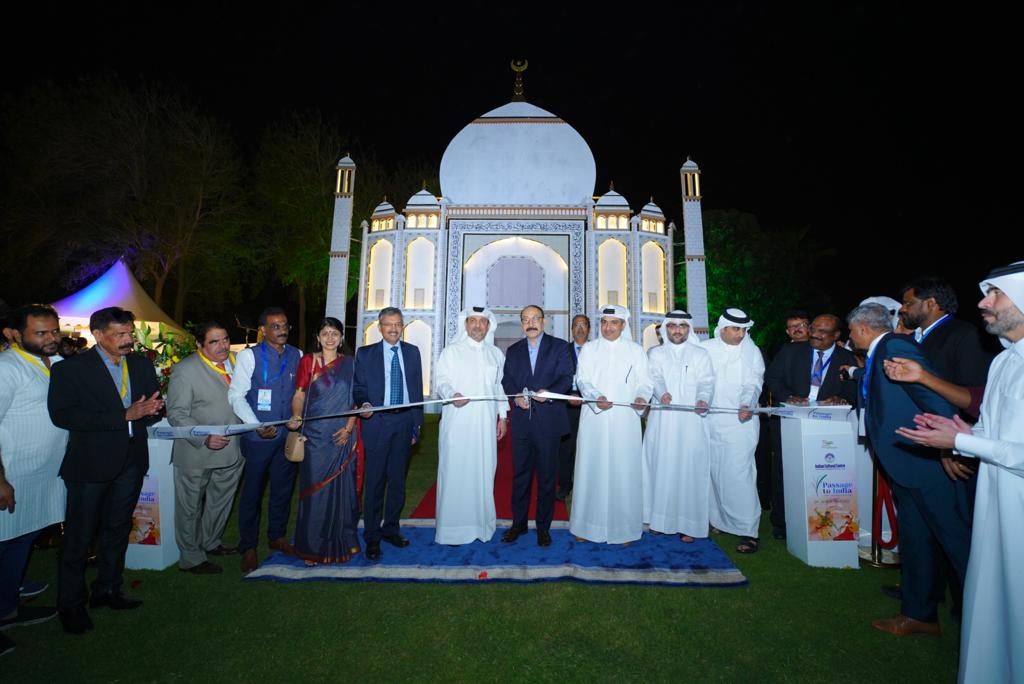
(263, 399)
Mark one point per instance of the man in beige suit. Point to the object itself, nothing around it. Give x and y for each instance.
(206, 470)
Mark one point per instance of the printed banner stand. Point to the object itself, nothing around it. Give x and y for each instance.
(820, 478)
(151, 544)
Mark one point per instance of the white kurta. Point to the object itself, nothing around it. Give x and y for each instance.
(676, 469)
(467, 443)
(607, 501)
(992, 636)
(739, 372)
(32, 447)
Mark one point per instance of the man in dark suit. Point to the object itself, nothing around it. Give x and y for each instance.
(91, 396)
(802, 372)
(538, 362)
(567, 447)
(388, 373)
(931, 508)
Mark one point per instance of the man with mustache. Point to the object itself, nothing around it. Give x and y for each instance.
(261, 391)
(537, 362)
(31, 450)
(805, 372)
(106, 398)
(567, 447)
(993, 624)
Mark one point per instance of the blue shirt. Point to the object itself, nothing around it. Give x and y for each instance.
(533, 349)
(117, 373)
(387, 372)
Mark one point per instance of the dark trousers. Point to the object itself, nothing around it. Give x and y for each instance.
(567, 451)
(778, 514)
(386, 460)
(533, 453)
(107, 506)
(261, 460)
(933, 522)
(14, 555)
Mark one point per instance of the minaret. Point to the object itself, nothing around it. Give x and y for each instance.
(693, 238)
(341, 239)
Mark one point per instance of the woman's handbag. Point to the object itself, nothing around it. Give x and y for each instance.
(295, 443)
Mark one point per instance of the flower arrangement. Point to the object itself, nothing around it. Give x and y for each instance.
(164, 349)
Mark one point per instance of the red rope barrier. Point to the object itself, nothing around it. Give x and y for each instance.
(884, 498)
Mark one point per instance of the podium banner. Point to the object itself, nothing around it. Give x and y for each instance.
(832, 489)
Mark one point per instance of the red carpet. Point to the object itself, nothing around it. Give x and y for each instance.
(502, 491)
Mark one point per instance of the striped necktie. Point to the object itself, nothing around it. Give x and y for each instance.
(396, 378)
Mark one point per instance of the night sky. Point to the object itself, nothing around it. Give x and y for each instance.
(883, 127)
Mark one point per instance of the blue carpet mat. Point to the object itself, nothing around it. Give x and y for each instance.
(661, 560)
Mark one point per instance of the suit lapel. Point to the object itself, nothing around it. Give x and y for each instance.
(98, 368)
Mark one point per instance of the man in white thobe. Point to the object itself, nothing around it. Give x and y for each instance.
(470, 430)
(739, 373)
(607, 501)
(676, 470)
(992, 634)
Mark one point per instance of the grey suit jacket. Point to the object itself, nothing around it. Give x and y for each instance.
(198, 395)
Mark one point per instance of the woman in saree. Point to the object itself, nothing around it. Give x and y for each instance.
(325, 531)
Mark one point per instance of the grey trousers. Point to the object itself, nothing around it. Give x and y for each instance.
(202, 503)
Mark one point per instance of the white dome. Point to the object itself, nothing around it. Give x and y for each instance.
(652, 209)
(690, 165)
(518, 154)
(612, 201)
(384, 208)
(421, 200)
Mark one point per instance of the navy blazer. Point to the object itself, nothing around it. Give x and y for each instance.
(368, 383)
(84, 401)
(790, 374)
(556, 365)
(891, 405)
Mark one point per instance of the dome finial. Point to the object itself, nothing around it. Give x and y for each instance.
(519, 66)
(611, 186)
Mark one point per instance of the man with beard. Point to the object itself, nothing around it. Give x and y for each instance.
(993, 624)
(31, 451)
(676, 470)
(470, 430)
(608, 500)
(91, 395)
(261, 391)
(739, 374)
(805, 372)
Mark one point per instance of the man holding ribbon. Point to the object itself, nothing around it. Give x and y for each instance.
(106, 398)
(739, 373)
(32, 496)
(608, 490)
(470, 430)
(206, 469)
(261, 391)
(676, 470)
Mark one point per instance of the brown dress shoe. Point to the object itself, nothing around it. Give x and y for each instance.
(249, 561)
(222, 550)
(901, 625)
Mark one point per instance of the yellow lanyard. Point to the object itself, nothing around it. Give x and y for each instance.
(212, 365)
(124, 377)
(31, 359)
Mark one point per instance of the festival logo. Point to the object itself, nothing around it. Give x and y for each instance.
(832, 508)
(146, 518)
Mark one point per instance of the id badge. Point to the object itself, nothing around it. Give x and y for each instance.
(263, 399)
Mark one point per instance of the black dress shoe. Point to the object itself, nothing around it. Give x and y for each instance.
(373, 552)
(222, 551)
(75, 620)
(205, 568)
(779, 533)
(511, 534)
(543, 538)
(396, 540)
(115, 600)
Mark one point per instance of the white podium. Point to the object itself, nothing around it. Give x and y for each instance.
(151, 544)
(820, 479)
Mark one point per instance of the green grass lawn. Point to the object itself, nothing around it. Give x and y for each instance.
(792, 623)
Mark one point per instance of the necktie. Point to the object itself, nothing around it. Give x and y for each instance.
(816, 373)
(227, 378)
(396, 379)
